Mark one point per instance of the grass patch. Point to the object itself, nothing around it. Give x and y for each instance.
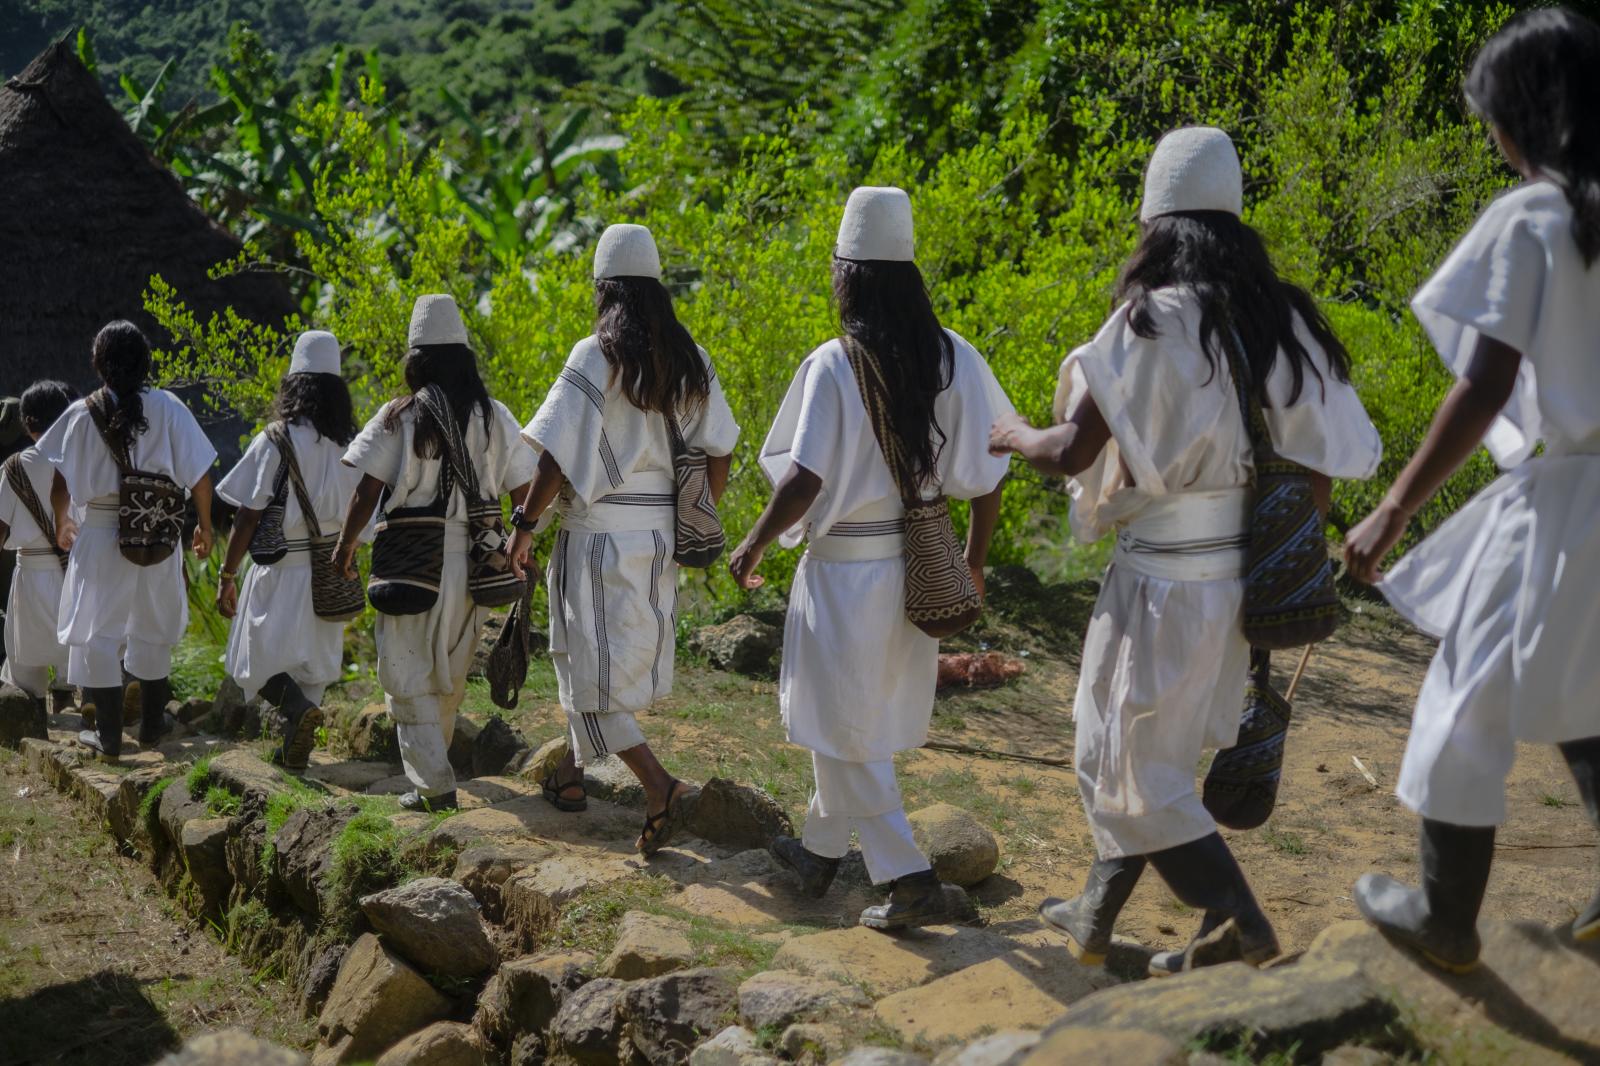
(152, 801)
(1286, 843)
(1550, 799)
(589, 922)
(220, 803)
(199, 776)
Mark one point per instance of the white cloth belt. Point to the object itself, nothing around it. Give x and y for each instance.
(457, 537)
(1191, 536)
(626, 512)
(38, 559)
(103, 512)
(876, 531)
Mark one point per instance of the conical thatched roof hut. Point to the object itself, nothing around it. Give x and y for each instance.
(87, 215)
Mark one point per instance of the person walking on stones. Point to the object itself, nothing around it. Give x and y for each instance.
(629, 398)
(1152, 433)
(36, 659)
(278, 647)
(402, 454)
(857, 679)
(1507, 583)
(125, 454)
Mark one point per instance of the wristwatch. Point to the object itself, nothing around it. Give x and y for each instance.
(519, 519)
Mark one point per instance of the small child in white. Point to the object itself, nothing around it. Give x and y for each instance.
(1508, 583)
(35, 658)
(278, 647)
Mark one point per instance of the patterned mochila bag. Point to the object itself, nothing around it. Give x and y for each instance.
(1241, 787)
(941, 598)
(507, 667)
(268, 545)
(1289, 597)
(408, 553)
(489, 577)
(698, 538)
(334, 597)
(17, 478)
(150, 506)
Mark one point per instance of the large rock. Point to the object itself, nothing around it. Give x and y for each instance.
(527, 993)
(462, 739)
(316, 982)
(533, 898)
(231, 1047)
(377, 1000)
(1029, 988)
(1101, 1047)
(737, 816)
(303, 852)
(205, 855)
(176, 808)
(244, 774)
(495, 746)
(776, 999)
(812, 1043)
(880, 1056)
(610, 779)
(667, 1016)
(882, 965)
(742, 644)
(247, 838)
(997, 1049)
(648, 945)
(231, 714)
(370, 733)
(483, 870)
(21, 716)
(961, 850)
(543, 762)
(734, 1046)
(440, 1044)
(433, 922)
(588, 1029)
(123, 812)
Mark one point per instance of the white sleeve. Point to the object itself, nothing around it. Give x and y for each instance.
(192, 451)
(10, 508)
(376, 451)
(807, 432)
(570, 425)
(517, 459)
(712, 428)
(251, 481)
(966, 411)
(1326, 428)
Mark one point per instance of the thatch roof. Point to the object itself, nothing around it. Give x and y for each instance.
(87, 215)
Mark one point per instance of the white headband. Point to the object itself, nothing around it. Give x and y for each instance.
(1194, 168)
(876, 225)
(435, 319)
(626, 251)
(316, 351)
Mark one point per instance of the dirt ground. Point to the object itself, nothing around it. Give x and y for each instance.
(97, 965)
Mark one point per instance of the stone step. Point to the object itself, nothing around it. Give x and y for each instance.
(883, 965)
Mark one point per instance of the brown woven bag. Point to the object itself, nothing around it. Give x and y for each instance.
(334, 597)
(150, 505)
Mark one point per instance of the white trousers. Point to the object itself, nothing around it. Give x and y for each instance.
(863, 797)
(99, 663)
(34, 680)
(424, 726)
(594, 736)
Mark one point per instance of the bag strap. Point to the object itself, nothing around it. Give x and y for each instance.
(289, 467)
(18, 479)
(98, 403)
(875, 396)
(680, 447)
(1255, 419)
(433, 400)
(277, 435)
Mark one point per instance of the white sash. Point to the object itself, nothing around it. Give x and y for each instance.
(1191, 536)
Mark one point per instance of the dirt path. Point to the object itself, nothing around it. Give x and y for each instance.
(97, 965)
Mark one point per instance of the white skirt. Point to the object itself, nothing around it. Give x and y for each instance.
(613, 605)
(1508, 585)
(277, 630)
(1163, 679)
(428, 654)
(31, 638)
(857, 679)
(104, 597)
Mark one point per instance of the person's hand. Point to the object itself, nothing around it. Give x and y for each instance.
(976, 569)
(67, 535)
(344, 560)
(746, 558)
(1003, 434)
(227, 597)
(1371, 539)
(202, 542)
(517, 553)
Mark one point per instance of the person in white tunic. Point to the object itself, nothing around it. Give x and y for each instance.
(605, 437)
(423, 658)
(36, 660)
(116, 614)
(1152, 434)
(1507, 584)
(277, 646)
(857, 679)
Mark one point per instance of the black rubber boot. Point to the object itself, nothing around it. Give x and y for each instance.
(61, 701)
(1088, 919)
(301, 720)
(416, 801)
(1204, 874)
(1208, 948)
(153, 699)
(1440, 919)
(815, 871)
(914, 901)
(106, 737)
(1583, 759)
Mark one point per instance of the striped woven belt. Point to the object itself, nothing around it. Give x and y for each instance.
(1195, 536)
(855, 542)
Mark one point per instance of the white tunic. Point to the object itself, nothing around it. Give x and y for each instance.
(276, 629)
(857, 679)
(428, 654)
(613, 584)
(104, 596)
(1164, 658)
(36, 585)
(1508, 582)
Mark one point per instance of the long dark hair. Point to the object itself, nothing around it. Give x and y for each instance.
(1226, 265)
(452, 367)
(649, 351)
(1538, 82)
(121, 356)
(323, 400)
(884, 308)
(45, 401)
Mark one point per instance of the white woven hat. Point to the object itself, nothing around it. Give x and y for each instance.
(876, 225)
(1194, 168)
(626, 251)
(316, 351)
(435, 319)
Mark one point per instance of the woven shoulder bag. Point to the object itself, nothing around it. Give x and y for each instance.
(150, 505)
(268, 544)
(1289, 597)
(17, 478)
(941, 598)
(507, 667)
(408, 553)
(698, 539)
(334, 597)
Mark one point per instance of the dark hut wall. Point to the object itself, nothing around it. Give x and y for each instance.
(87, 215)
